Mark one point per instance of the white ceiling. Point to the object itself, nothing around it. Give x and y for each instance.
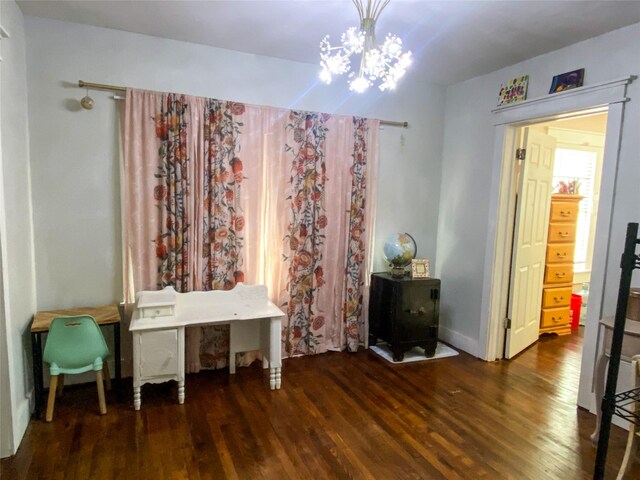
(451, 40)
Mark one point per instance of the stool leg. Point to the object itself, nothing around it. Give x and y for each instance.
(101, 401)
(53, 385)
(107, 377)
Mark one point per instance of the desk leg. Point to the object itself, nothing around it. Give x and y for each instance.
(232, 359)
(38, 382)
(137, 382)
(275, 353)
(181, 373)
(181, 392)
(137, 399)
(118, 359)
(275, 378)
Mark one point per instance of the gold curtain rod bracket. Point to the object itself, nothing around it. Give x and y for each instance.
(117, 88)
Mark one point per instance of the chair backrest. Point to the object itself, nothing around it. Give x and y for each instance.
(74, 345)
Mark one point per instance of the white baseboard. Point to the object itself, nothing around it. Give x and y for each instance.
(20, 423)
(458, 340)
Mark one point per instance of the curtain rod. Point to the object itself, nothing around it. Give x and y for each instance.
(116, 88)
(100, 86)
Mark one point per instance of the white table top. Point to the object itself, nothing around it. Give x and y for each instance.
(207, 308)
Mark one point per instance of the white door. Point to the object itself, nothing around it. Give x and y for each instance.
(530, 241)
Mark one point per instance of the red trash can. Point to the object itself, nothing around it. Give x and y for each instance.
(576, 303)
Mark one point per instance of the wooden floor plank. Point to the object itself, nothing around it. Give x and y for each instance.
(338, 415)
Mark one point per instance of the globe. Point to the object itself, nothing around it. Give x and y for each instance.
(399, 249)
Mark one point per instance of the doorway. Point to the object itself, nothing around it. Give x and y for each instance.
(610, 96)
(556, 191)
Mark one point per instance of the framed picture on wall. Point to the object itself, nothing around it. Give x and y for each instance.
(420, 268)
(514, 90)
(566, 81)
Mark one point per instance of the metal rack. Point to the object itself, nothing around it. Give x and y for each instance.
(618, 404)
(624, 405)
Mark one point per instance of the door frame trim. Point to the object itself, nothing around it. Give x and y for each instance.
(607, 96)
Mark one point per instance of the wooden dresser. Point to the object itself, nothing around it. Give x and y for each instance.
(558, 275)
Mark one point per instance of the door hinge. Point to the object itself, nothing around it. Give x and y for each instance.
(507, 323)
(521, 153)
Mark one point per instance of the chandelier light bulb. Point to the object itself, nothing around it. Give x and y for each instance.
(353, 40)
(383, 64)
(359, 84)
(325, 76)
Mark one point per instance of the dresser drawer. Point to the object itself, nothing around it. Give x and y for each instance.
(560, 252)
(556, 297)
(562, 233)
(564, 212)
(560, 273)
(554, 317)
(156, 311)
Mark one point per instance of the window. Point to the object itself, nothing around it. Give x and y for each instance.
(580, 165)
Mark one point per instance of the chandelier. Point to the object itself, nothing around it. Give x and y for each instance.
(384, 63)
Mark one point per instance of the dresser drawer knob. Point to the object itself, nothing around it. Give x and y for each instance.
(563, 254)
(561, 234)
(565, 214)
(558, 299)
(560, 275)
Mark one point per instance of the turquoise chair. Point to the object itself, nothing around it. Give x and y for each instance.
(75, 345)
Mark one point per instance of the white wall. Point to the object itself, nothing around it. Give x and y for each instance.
(467, 173)
(16, 238)
(74, 165)
(74, 156)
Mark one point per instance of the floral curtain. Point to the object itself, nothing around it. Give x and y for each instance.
(219, 192)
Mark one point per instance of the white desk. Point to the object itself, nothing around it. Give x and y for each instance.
(158, 342)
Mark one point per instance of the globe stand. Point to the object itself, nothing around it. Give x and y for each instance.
(397, 272)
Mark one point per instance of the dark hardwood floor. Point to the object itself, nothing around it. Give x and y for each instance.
(337, 415)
